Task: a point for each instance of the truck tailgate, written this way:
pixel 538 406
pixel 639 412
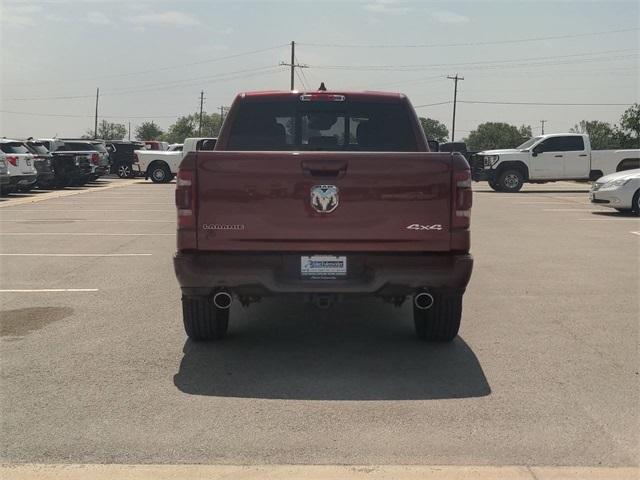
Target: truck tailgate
pixel 263 201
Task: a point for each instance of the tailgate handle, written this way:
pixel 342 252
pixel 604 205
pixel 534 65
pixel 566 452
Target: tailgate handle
pixel 324 168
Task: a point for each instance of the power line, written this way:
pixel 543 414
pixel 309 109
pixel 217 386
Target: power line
pixel 146 87
pixel 39 114
pixel 301 80
pixel 415 106
pixel 235 76
pixel 468 44
pixel 304 77
pixel 432 104
pixel 548 103
pixel 518 61
pixel 160 69
pixel 300 75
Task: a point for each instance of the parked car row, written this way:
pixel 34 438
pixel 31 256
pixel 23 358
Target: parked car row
pixel 50 163
pixel 59 162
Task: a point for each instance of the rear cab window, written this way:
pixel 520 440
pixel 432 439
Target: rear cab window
pixel 38 148
pixel 14 147
pixel 99 147
pixel 79 147
pixel 323 126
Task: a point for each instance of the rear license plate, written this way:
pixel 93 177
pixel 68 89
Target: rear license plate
pixel 323 266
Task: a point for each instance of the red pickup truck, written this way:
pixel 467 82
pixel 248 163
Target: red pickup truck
pixel 323 195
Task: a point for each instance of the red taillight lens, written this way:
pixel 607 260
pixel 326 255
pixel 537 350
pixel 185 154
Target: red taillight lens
pixel 95 159
pixel 186 199
pixel 463 199
pixel 12 160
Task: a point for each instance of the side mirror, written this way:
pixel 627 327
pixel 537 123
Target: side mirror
pixel 535 151
pixel 434 145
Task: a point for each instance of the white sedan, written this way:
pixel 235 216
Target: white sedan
pixel 620 190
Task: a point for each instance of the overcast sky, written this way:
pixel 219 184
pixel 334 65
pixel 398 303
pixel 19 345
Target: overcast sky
pixel 151 59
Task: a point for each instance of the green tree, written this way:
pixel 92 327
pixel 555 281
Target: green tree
pixel 601 134
pixel 187 126
pixel 148 131
pixel 493 135
pixel 628 130
pixel 434 130
pixel 108 131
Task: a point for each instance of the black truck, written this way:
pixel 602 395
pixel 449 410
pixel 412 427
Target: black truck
pixel 121 156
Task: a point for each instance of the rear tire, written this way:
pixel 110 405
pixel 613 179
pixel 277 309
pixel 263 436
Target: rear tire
pixel 511 180
pixel 441 322
pixel 635 203
pixel 124 171
pixel 160 173
pixel 202 320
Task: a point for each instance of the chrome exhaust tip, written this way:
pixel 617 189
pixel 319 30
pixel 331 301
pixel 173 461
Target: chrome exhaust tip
pixel 222 300
pixel 423 301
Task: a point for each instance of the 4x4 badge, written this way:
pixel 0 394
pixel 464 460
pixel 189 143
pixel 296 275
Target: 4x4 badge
pixel 324 198
pixel 417 226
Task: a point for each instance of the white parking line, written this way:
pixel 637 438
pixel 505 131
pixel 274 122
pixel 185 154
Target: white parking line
pixel 82 210
pixel 578 209
pixel 635 233
pixel 549 203
pixel 608 219
pixel 76 220
pixel 61 194
pixel 83 234
pixel 50 290
pixel 75 254
pixel 114 204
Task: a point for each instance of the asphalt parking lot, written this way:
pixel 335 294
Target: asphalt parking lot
pixel 96 367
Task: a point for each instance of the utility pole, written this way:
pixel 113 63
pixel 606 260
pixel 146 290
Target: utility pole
pixel 129 131
pixel 293 64
pixel 455 99
pixel 221 118
pixel 201 104
pixel 542 122
pixel 95 127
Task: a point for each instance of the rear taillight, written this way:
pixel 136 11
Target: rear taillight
pixel 95 159
pixel 12 160
pixel 186 200
pixel 461 211
pixel 135 158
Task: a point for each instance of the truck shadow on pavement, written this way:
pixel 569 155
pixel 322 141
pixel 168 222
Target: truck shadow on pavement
pixel 355 351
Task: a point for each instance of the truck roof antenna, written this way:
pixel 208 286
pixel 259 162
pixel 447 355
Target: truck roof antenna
pixel 322 87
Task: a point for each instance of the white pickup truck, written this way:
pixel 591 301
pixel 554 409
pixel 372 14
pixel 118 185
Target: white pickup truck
pixel 550 158
pixel 162 166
